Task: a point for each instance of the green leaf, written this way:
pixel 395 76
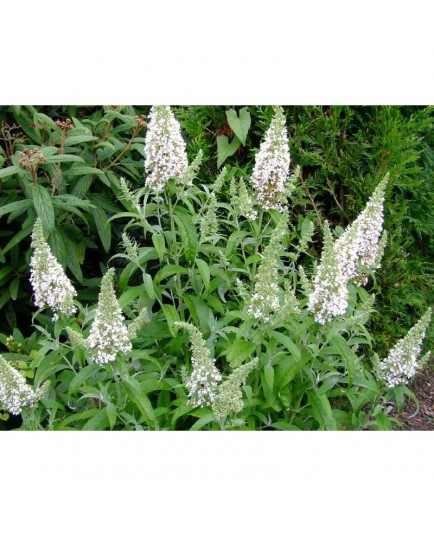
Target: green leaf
pixel 111 414
pixel 167 271
pixel 103 227
pixel 16 239
pixel 269 375
pixel 84 170
pixel 14 287
pixel 225 150
pixel 288 344
pixel 188 235
pixel 172 316
pixel 159 244
pixel 15 205
pixel 240 125
pixel 142 402
pixel 322 410
pixel 204 272
pixel 58 246
pixel 130 295
pixel 149 285
pixel 8 172
pixel 5 273
pixel 75 140
pixel 383 422
pixel 347 355
pixel 281 425
pixel 44 207
pixel 203 421
pixel 82 376
pixel 239 351
pixel 54 159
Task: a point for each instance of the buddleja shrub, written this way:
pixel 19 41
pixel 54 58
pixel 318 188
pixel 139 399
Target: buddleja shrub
pixel 216 315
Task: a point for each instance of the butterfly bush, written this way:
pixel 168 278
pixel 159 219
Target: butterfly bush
pixel 401 364
pixel 271 168
pixel 108 335
pixel 50 284
pixel 15 394
pixel 359 248
pixel 329 295
pixel 202 383
pixel 165 150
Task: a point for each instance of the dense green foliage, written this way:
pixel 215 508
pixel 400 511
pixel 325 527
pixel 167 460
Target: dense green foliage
pixel 309 376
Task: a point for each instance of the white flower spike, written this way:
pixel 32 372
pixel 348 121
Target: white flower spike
pixel 50 284
pixel 272 165
pixel 108 334
pixel 165 150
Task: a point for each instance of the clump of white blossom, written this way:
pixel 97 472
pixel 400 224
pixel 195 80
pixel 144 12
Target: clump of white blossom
pixel 242 201
pixel 108 334
pixel 359 248
pixel 15 394
pixel 401 364
pixel 265 298
pixel 203 381
pixel 272 165
pixel 50 284
pixel 165 150
pixel 329 296
pixel 229 398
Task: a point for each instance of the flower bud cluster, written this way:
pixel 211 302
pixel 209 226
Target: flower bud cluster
pixel 272 165
pixel 401 364
pixel 108 334
pixel 165 150
pixel 329 296
pixel 50 284
pixel 229 398
pixel 203 381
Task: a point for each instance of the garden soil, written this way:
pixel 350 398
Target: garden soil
pixel 423 388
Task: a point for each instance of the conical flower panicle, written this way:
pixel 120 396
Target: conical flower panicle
pixel 265 299
pixel 272 165
pixel 203 381
pixel 108 334
pixel 229 397
pixel 401 364
pixel 15 394
pixel 165 150
pixel 329 296
pixel 50 284
pixel 359 248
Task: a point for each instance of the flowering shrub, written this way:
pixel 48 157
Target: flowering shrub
pixel 223 305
